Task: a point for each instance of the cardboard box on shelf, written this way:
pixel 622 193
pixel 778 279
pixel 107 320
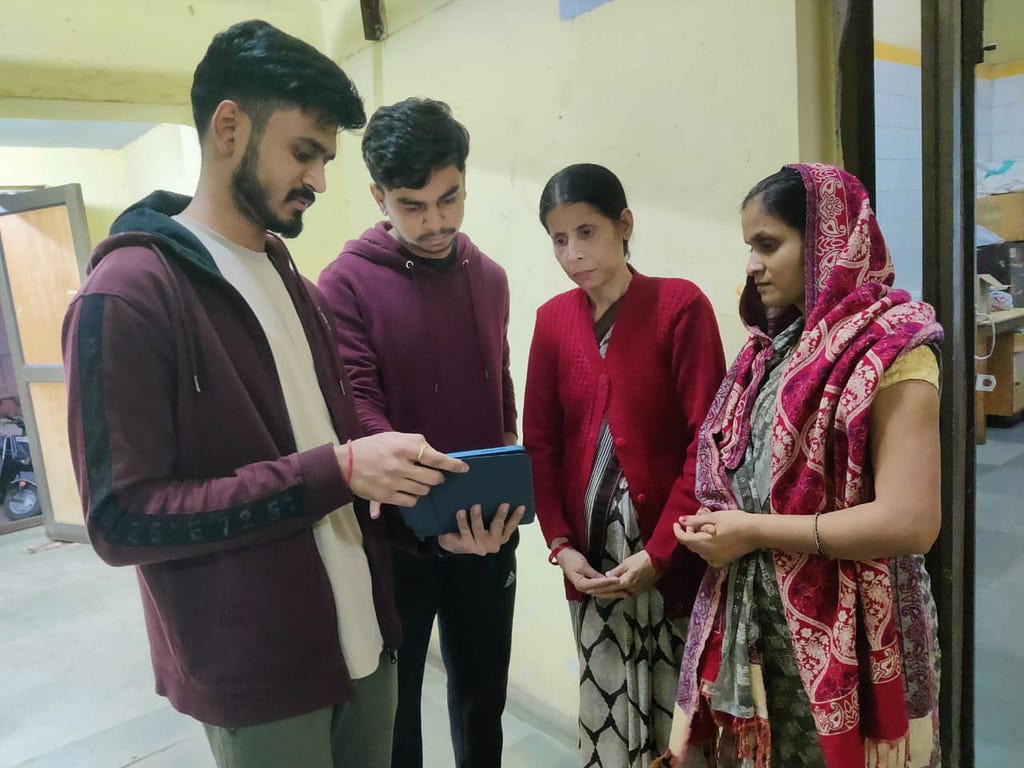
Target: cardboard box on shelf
pixel 985 284
pixel 1003 214
pixel 1005 262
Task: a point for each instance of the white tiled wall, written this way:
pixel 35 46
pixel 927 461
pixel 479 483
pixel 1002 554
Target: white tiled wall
pixel 999 119
pixel 999 135
pixel 898 186
pixel 983 119
pixel 1007 118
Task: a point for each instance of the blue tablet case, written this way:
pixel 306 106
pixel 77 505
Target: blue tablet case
pixel 496 475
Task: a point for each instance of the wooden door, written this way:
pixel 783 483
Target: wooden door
pixel 44 247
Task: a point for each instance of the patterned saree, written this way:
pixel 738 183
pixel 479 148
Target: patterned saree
pixel 814 661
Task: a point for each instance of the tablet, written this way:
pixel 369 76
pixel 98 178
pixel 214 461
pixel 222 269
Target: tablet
pixel 496 475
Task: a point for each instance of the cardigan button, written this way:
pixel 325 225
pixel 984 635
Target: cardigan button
pixel 619 442
pixel 641 498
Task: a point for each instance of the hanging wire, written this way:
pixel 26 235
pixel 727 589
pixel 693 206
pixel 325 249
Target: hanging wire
pixel 980 319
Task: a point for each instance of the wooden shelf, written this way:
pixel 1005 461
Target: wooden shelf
pixel 1006 364
pixel 1005 320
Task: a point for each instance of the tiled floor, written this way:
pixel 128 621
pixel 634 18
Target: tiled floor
pixel 999 609
pixel 76 686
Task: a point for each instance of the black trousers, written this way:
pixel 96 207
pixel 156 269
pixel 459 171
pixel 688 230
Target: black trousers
pixel 473 598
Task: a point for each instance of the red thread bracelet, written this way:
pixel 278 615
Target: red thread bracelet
pixel 348 474
pixel 553 556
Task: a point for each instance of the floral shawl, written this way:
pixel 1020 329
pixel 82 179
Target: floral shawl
pixel 843 615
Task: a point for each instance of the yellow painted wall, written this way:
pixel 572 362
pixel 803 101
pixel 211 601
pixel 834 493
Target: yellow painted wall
pixel 665 95
pixel 898 22
pixel 125 50
pixel 690 103
pixel 100 172
pixel 816 82
pixel 167 157
pixel 134 62
pixel 111 180
pixel 343 25
pixel 1004 26
pixel 898 29
pixel 119 60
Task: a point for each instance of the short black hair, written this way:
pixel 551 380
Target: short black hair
pixel 406 142
pixel 264 70
pixel 586 183
pixel 783 196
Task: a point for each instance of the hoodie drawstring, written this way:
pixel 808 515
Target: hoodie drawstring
pixel 326 332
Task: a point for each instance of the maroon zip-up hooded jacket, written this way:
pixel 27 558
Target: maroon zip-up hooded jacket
pixel 187 468
pixel 426 349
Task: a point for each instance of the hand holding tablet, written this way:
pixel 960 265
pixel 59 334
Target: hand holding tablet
pixel 496 476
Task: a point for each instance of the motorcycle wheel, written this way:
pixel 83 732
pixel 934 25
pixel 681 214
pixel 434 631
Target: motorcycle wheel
pixel 22 502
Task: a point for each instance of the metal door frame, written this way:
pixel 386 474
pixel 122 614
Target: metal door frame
pixel 950 47
pixel 70 196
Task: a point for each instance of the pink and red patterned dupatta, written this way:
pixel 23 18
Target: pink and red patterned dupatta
pixel 842 615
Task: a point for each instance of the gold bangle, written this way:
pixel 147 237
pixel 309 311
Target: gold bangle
pixel 817 538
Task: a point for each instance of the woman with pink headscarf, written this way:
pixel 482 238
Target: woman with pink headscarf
pixel 812 641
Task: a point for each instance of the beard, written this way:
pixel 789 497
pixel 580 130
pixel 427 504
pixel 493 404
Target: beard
pixel 252 198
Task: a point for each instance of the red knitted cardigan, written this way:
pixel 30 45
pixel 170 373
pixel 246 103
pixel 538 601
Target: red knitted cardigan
pixel 663 366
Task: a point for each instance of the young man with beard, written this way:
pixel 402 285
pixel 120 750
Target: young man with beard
pixel 422 320
pixel 215 438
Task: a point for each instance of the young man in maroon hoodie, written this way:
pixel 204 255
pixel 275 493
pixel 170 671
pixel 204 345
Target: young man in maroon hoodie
pixel 422 319
pixel 215 438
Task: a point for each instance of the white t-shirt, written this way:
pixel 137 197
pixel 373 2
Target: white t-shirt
pixel 338 537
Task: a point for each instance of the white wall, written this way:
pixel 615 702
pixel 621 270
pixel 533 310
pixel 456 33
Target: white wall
pixel 1007 118
pixel 898 180
pixel 983 89
pixel 999 114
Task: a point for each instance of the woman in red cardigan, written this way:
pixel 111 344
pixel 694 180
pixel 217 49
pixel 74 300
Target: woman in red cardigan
pixel 622 371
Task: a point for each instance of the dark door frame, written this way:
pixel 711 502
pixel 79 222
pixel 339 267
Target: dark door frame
pixel 69 196
pixel 856 90
pixel 951 46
